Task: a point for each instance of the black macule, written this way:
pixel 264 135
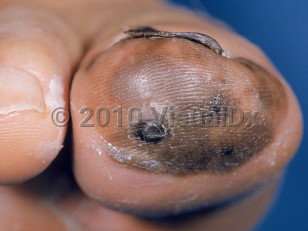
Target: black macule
pixel 150 132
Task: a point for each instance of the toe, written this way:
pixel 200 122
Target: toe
pixel 37 55
pixel 130 160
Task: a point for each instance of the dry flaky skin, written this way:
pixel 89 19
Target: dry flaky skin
pixel 27 35
pixel 197 166
pixel 229 173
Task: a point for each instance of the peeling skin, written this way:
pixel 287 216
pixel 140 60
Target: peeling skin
pixel 54 97
pixel 189 71
pixel 55 145
pixel 188 76
pixel 149 32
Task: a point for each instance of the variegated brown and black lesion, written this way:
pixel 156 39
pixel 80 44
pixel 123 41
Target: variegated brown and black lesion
pixel 182 150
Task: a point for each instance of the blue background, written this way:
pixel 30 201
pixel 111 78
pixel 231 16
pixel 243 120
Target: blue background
pixel 280 29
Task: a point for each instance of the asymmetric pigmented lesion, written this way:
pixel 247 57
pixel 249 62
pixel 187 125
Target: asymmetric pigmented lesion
pixel 210 85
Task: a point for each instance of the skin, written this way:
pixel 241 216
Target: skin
pixel 61 49
pixel 149 32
